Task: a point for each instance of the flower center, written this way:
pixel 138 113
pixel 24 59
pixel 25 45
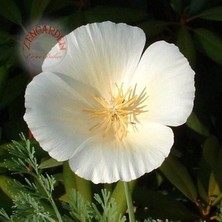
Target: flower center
pixel 118 113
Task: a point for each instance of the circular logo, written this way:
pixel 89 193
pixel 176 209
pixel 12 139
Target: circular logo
pixel 43 43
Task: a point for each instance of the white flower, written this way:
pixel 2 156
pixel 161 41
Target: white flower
pixel 105 108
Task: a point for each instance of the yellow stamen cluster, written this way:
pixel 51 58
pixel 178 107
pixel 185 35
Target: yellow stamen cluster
pixel 119 112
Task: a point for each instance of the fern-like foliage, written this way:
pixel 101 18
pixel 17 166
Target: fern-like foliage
pixel 25 204
pixel 33 199
pixel 219 216
pixel 109 208
pixel 103 210
pixel 158 220
pixel 79 209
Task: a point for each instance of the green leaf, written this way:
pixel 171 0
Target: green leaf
pixel 57 5
pixel 186 45
pixel 213 154
pixel 153 28
pixel 38 8
pixel 161 206
pixel 3 78
pixel 6 53
pixel 50 163
pixel 194 123
pixel 214 189
pixel 69 178
pixel 214 14
pixel 7 184
pixel 4 37
pixel 10 11
pixel 211 150
pixel 72 181
pixel 177 5
pixel 64 198
pixel 202 191
pixel 84 188
pixel 217 169
pixel 196 6
pixel 210 43
pixel 5 202
pixel 203 175
pixel 178 175
pixel 4 154
pixel 114 14
pixel 72 21
pixel 15 87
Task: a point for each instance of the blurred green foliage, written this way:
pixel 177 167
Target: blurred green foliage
pixel 188 186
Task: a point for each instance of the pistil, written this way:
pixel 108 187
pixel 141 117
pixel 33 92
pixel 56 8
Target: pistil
pixel 116 114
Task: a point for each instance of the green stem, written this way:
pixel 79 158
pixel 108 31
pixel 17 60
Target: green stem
pixel 48 194
pixel 119 196
pixel 129 202
pixel 55 209
pixel 51 202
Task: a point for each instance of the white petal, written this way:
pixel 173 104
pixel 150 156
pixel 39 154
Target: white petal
pixel 100 54
pixel 104 161
pixel 169 81
pixel 55 113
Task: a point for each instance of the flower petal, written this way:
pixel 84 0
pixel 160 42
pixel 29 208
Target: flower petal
pixel 55 113
pixel 100 54
pixel 102 160
pixel 169 81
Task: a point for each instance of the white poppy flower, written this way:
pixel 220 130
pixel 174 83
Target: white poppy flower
pixel 106 107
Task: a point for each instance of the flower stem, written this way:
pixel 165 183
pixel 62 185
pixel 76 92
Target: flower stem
pixel 55 209
pixel 129 202
pixel 48 195
pixel 119 196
